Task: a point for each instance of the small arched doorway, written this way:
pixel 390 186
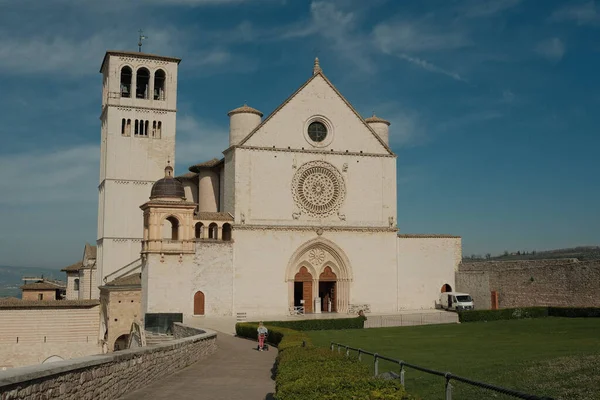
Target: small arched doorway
pixel 303 290
pixel 199 303
pixel 121 343
pixel 327 290
pixel 446 288
pixel 226 233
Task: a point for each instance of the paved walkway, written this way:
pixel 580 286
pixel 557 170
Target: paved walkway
pixel 236 371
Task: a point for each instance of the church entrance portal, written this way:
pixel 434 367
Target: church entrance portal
pixel 327 290
pixel 303 290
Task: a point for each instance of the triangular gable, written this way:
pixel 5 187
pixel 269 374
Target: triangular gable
pixel 282 105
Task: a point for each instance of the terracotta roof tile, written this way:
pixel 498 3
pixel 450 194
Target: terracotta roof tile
pixel 47 304
pixel 73 267
pixel 213 216
pixel 42 286
pixel 375 118
pixel 244 109
pixel 207 164
pixel 188 175
pixel 129 280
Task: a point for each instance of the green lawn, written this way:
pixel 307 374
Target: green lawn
pixel 557 357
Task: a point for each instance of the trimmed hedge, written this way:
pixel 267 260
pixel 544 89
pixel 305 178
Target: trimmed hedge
pixel 320 324
pixel 528 312
pixel 305 372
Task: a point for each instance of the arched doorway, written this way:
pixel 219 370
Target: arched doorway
pixel 199 230
pixel 226 233
pixel 121 343
pixel 327 290
pixel 316 256
pixel 303 290
pixel 446 288
pixel 199 303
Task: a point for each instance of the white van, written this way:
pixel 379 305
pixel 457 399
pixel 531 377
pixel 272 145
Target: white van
pixel 456 301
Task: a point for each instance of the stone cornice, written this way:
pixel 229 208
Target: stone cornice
pixel 315 228
pixel 309 151
pixel 165 110
pixel 139 55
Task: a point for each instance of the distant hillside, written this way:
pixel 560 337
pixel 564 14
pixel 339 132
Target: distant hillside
pixel 581 252
pixel 11 278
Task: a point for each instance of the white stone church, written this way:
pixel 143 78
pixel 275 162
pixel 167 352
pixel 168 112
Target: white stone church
pixel 298 216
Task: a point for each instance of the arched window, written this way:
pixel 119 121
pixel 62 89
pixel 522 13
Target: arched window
pixel 199 230
pixel 128 127
pixel 142 83
pixel 123 123
pixel 226 233
pixel 159 130
pixel 125 82
pixel 146 128
pixel 213 231
pixel 153 128
pixel 171 228
pixel 76 284
pixel 137 130
pixel 159 85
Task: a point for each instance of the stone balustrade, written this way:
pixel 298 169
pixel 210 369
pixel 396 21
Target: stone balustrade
pixel 108 376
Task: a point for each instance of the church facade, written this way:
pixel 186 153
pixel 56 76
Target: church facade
pixel 298 216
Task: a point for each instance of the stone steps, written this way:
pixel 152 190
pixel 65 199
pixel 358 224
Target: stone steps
pixel 153 339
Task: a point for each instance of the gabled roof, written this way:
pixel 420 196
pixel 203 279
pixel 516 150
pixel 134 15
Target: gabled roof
pixel 318 72
pixel 10 304
pixel 213 216
pixel 73 267
pixel 90 251
pixel 134 280
pixel 42 286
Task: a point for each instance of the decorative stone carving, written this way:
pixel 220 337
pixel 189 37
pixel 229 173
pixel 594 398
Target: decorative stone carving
pixel 318 188
pixel 242 218
pixel 345 167
pixel 316 257
pixel 296 215
pixel 320 231
pixel 342 216
pixel 391 221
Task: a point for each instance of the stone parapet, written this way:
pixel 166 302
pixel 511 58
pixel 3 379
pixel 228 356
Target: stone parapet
pixel 107 376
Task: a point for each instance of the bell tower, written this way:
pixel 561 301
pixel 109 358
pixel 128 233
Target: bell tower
pixel 138 121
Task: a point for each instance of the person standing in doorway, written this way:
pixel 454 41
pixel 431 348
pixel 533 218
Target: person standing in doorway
pixel 262 333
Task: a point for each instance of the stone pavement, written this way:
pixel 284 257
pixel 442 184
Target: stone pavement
pixel 236 371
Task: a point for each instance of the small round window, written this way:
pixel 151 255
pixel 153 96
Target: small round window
pixel 317 132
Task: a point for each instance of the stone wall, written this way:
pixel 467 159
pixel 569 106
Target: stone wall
pixel 181 331
pixel 32 331
pixel 105 376
pixel 561 283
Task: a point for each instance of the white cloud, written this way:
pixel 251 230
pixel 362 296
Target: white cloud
pixel 407 129
pixel 552 49
pixel 198 141
pixel 426 65
pixel 408 36
pixel 584 13
pixel 67 175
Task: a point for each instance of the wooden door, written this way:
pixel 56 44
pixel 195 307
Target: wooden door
pixel 494 300
pixel 307 296
pixel 199 303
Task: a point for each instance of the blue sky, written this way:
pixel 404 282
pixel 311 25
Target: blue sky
pixel 494 105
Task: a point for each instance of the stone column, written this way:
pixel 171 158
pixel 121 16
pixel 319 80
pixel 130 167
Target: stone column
pixel 315 289
pixel 290 294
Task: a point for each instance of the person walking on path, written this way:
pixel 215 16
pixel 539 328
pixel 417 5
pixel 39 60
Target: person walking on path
pixel 262 333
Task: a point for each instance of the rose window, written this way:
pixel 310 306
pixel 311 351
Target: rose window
pixel 318 188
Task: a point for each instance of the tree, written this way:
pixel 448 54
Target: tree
pixel 488 256
pixel 505 253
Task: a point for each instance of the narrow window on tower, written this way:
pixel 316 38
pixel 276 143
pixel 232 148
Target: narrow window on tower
pixel 153 128
pixel 146 128
pixel 142 83
pixel 123 126
pixel 136 128
pixel 125 82
pixel 159 130
pixel 128 128
pixel 159 85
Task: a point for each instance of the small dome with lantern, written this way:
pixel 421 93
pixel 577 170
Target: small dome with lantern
pixel 167 187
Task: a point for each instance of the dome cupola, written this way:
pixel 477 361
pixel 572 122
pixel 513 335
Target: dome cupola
pixel 380 126
pixel 167 187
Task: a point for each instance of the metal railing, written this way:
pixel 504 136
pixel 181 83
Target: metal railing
pixel 446 375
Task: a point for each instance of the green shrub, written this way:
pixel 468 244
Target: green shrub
pixel 574 312
pixel 502 314
pixel 320 324
pixel 305 372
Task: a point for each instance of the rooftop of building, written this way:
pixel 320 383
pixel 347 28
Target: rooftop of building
pixel 8 303
pixel 44 285
pixel 137 54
